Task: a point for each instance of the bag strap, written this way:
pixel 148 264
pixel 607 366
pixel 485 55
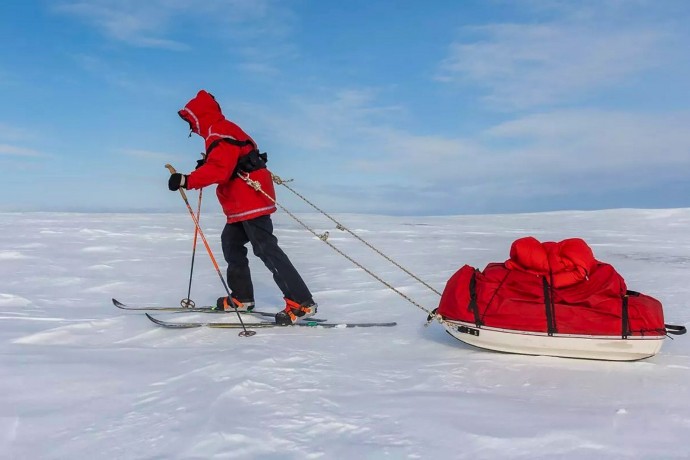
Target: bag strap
pixel 473 299
pixel 675 330
pixel 625 317
pixel 548 304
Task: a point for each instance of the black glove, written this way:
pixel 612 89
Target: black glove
pixel 200 163
pixel 176 181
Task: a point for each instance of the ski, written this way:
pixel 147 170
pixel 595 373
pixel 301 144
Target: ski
pixel 204 309
pixel 221 325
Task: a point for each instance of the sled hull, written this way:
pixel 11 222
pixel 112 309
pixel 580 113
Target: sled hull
pixel 609 348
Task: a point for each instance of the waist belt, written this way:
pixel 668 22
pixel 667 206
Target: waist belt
pixel 252 161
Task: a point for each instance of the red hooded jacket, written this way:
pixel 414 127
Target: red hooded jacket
pixel 239 201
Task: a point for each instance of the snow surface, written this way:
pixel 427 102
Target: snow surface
pixel 81 379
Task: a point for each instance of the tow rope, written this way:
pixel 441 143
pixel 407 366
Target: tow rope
pixel 324 237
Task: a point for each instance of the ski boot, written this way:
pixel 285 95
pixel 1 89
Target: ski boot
pixel 294 312
pixel 231 303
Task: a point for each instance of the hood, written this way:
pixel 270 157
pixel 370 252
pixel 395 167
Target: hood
pixel 201 112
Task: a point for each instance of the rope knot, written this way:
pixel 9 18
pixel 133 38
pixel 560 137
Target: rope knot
pixel 255 184
pixel 278 180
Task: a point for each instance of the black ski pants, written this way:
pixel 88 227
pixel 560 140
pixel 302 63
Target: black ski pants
pixel 259 232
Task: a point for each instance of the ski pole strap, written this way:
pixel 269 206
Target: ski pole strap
pixel 675 330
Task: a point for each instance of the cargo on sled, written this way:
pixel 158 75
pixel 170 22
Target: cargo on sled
pixel 555 299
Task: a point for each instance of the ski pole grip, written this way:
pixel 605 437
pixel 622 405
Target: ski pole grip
pixel 184 195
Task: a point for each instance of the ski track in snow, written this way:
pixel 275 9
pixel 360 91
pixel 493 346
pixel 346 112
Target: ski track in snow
pixel 82 379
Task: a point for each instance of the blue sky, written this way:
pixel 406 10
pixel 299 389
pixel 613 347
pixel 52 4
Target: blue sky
pixel 399 107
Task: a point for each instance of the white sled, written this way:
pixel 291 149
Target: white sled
pixel 613 348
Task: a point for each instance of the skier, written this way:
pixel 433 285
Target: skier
pixel 230 152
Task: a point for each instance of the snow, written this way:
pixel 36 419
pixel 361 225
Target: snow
pixel 82 379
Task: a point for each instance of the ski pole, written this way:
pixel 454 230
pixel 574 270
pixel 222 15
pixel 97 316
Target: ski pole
pixel 245 332
pixel 188 302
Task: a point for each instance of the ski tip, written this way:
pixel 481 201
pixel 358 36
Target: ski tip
pixel 119 304
pixel 154 320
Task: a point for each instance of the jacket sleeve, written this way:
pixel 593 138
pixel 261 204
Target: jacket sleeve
pixel 220 164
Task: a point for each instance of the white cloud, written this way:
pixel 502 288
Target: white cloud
pixel 582 140
pixel 523 66
pixel 362 162
pixel 551 154
pixel 136 23
pixel 12 133
pixel 350 132
pixel 110 72
pixel 327 121
pixel 13 150
pixel 262 59
pixel 166 23
pixel 148 154
pixel 556 152
pixel 546 158
pixel 563 51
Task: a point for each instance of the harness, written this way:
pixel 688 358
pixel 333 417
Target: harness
pixel 249 162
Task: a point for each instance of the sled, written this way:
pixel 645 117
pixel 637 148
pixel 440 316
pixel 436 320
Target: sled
pixel 553 299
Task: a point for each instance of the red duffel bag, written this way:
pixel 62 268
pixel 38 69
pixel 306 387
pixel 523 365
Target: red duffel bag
pixel 554 288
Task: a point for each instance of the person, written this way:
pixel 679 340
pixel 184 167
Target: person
pixel 231 152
